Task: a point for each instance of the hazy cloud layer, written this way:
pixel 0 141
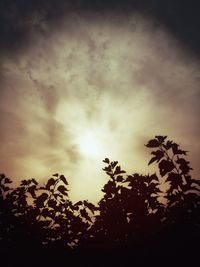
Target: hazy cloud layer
pixel 125 77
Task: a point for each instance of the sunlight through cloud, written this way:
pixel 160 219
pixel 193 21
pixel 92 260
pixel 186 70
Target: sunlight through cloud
pixel 90 145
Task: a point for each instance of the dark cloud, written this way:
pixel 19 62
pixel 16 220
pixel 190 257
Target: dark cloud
pixel 18 19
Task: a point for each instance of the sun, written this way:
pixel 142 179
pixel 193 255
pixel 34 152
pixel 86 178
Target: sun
pixel 90 144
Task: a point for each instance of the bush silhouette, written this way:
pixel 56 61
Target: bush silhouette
pixel 130 213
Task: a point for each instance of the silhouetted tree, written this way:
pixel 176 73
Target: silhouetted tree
pixel 132 210
pixel 182 209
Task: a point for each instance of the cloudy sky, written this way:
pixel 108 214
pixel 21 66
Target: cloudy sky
pixel 110 78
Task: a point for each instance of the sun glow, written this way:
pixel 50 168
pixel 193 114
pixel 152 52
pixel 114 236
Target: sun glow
pixel 90 145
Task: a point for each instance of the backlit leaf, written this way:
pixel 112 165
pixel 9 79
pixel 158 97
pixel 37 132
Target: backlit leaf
pixel 106 160
pixel 153 143
pixel 62 177
pixel 165 166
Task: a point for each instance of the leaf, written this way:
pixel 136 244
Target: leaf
pixel 62 177
pixel 118 170
pixel 24 182
pixel 84 214
pixel 107 169
pixel 177 151
pixel 62 190
pixel 75 207
pixel 153 143
pixel 160 138
pixel 41 199
pixel 2 176
pixel 152 160
pixel 158 154
pixel 5 188
pixel 165 166
pixel 119 178
pixel 106 160
pixel 7 181
pixel 34 181
pixel 31 190
pixel 174 179
pixel 89 205
pixel 168 145
pixel 108 188
pixel 114 163
pixel 78 203
pixel 50 183
pixel 184 165
pixel 154 177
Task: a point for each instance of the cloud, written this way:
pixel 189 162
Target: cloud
pixel 125 77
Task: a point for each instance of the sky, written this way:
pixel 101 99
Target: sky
pixel 78 77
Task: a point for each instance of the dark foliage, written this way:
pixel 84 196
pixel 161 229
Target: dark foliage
pixel 134 216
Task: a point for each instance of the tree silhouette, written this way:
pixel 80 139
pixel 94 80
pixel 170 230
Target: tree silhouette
pixel 129 208
pixel 183 193
pixel 130 213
